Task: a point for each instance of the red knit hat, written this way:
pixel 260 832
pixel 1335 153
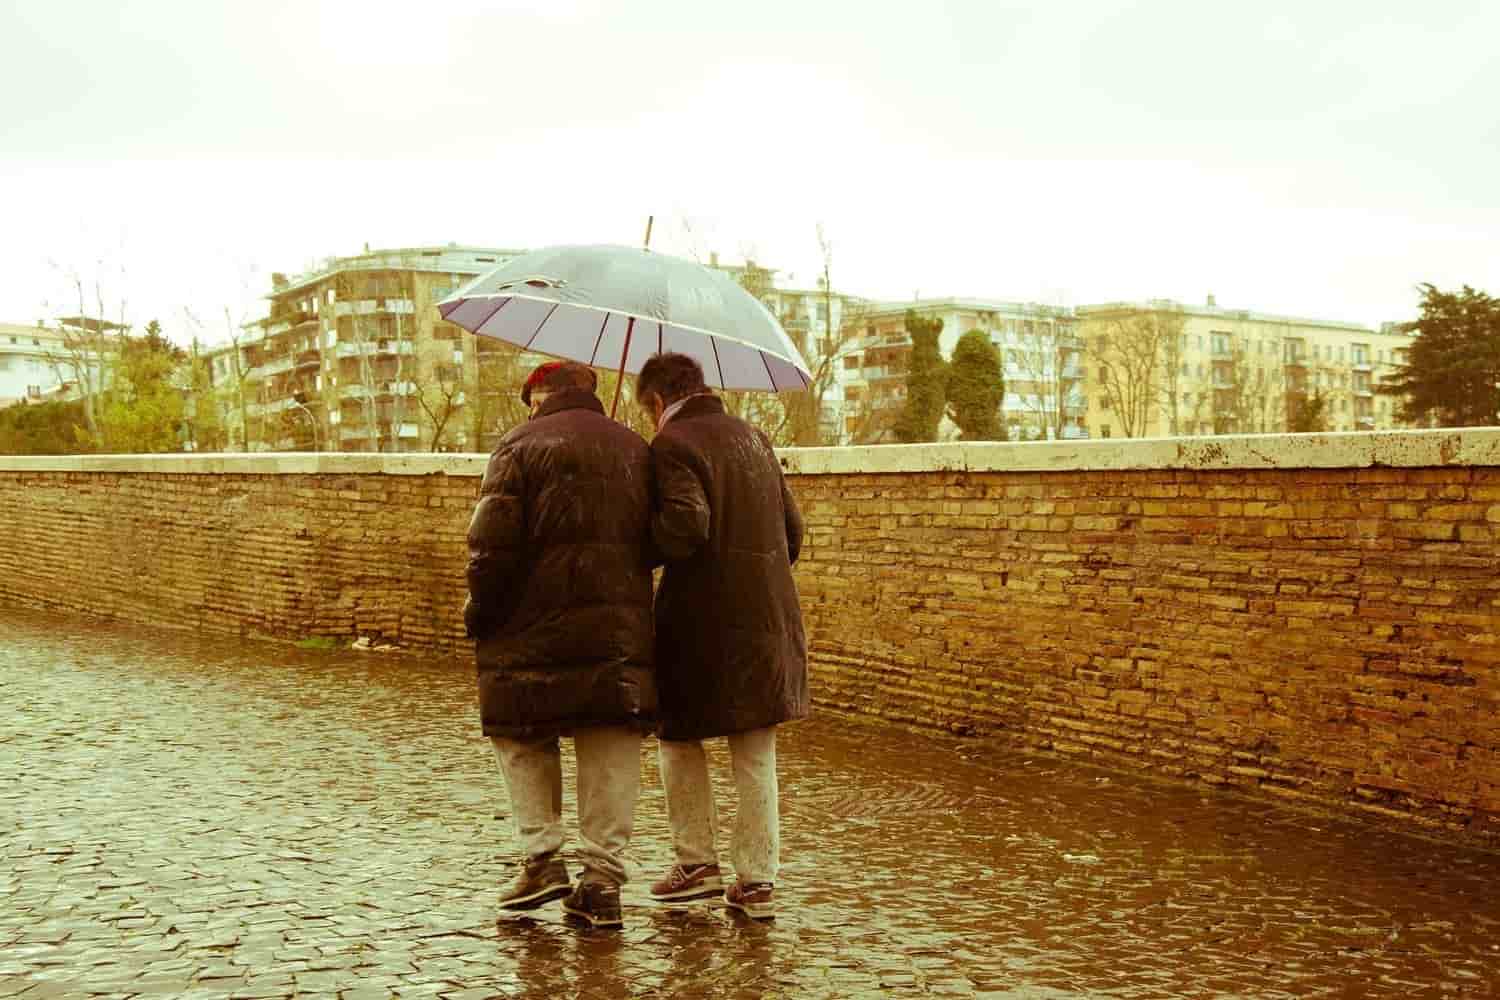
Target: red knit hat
pixel 536 378
pixel 569 375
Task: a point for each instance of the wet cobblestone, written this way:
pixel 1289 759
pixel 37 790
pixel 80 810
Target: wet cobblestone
pixel 197 818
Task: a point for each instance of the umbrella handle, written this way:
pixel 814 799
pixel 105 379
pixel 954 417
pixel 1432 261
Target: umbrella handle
pixel 620 376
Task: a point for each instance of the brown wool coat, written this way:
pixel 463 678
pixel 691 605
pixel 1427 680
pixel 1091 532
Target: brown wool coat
pixel 731 653
pixel 560 575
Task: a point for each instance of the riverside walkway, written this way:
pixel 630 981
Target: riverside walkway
pixel 218 818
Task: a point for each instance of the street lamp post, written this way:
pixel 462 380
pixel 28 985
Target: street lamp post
pixel 299 400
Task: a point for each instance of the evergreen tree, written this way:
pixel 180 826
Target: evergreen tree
pixel 926 382
pixel 143 406
pixel 976 388
pixel 1452 370
pixel 1309 415
pixel 51 428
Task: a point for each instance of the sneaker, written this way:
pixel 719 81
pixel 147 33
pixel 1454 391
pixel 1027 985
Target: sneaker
pixel 753 899
pixel 596 902
pixel 688 882
pixel 541 880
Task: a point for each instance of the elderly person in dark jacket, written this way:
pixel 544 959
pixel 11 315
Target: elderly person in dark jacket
pixel 731 654
pixel 559 575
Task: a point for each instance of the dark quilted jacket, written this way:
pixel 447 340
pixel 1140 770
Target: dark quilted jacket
pixel 560 575
pixel 731 654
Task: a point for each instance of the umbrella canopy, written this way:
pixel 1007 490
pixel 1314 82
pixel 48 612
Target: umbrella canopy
pixel 613 307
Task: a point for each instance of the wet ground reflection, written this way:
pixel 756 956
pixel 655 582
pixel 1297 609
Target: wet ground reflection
pixel 209 817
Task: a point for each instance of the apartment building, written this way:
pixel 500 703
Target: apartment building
pixel 41 362
pixel 1160 368
pixel 353 356
pixel 1039 348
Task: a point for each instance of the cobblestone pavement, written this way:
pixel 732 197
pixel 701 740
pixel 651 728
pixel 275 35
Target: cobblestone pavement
pixel 212 818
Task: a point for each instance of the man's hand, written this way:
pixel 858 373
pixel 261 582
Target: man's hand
pixel 474 625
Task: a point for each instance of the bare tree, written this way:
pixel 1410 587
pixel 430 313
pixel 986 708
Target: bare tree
pixel 1131 351
pixel 823 340
pixel 441 398
pixel 370 333
pixel 89 347
pixel 1040 360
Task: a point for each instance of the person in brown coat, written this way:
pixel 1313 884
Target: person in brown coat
pixel 731 652
pixel 559 573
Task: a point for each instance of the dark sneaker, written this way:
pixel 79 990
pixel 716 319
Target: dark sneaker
pixel 596 902
pixel 541 881
pixel 688 882
pixel 753 899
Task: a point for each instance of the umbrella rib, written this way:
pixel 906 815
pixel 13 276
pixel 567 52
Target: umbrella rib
pixel 539 326
pixel 717 363
pixel 651 319
pixel 659 348
pixel 774 386
pixel 598 340
pixel 491 314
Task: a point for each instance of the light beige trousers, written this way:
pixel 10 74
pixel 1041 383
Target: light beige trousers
pixel 609 782
pixel 756 847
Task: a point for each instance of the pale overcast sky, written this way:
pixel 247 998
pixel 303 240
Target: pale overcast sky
pixel 1316 158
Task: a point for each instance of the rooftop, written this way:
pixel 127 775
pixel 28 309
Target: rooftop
pixel 1244 315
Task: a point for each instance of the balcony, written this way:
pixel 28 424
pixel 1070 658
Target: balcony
pixel 379 390
pixel 272 408
pixel 275 366
pixel 370 348
pixel 877 373
pixel 371 306
pixel 309 358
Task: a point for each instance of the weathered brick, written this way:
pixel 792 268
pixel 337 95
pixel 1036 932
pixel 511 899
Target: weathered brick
pixel 1333 627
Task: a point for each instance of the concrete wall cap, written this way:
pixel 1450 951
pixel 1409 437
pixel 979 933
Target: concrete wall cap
pixel 1471 446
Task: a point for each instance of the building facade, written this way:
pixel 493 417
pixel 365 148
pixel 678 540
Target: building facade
pixel 40 363
pixel 1160 368
pixel 354 356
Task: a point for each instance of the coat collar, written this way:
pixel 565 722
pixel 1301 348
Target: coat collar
pixel 569 399
pixel 698 406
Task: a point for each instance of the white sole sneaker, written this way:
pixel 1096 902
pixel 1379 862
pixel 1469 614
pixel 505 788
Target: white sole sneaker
pixel 755 911
pixel 713 885
pixel 593 920
pixel 539 898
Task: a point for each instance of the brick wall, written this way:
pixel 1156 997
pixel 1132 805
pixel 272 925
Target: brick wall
pixel 1315 619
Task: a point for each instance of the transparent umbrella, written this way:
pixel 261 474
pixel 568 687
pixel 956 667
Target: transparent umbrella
pixel 613 307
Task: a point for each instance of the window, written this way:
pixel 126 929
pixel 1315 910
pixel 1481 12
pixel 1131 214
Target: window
pixel 1361 354
pixel 35 342
pixel 1221 344
pixel 1187 399
pixel 1185 372
pixel 851 361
